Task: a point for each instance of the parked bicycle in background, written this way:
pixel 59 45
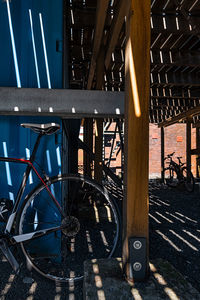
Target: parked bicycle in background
pixel 177 174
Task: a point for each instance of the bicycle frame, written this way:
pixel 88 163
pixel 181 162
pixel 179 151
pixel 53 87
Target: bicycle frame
pixel 11 219
pixel 177 168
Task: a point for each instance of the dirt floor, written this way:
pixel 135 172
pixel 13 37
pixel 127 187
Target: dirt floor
pixel 174 236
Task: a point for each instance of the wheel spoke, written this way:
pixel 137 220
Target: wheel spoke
pixel 89 230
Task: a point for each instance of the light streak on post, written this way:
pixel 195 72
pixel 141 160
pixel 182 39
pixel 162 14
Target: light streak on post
pixel 34 49
pixel 13 46
pixel 45 51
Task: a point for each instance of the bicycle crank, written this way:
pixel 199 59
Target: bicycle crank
pixel 9 256
pixel 70 226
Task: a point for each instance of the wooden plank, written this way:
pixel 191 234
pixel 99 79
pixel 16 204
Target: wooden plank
pixel 197 152
pixel 164 56
pixel 102 6
pixel 88 139
pixel 188 144
pixel 174 78
pixel 135 205
pixel 99 123
pixel 174 24
pixel 115 29
pixel 162 153
pixel 98 150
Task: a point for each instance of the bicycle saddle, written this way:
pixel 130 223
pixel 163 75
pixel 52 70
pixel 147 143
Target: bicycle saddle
pixel 49 128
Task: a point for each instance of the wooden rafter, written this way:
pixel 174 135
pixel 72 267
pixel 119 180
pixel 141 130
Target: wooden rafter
pixel 180 117
pixel 102 6
pixel 116 26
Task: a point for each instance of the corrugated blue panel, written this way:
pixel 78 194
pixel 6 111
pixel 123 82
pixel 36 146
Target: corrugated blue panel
pixel 51 12
pixel 18 142
pixel 14 140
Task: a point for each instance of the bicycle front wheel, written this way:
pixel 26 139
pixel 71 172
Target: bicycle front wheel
pixel 89 229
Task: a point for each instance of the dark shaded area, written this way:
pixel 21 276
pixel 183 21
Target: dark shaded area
pixel 175 229
pixel 174 237
pixel 24 287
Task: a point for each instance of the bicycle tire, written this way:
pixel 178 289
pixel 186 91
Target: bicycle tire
pixel 170 177
pixel 98 233
pixel 188 179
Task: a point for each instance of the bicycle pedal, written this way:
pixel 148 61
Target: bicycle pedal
pixel 9 256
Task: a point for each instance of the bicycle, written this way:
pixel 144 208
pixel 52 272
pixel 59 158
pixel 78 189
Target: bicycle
pixel 63 221
pixel 177 174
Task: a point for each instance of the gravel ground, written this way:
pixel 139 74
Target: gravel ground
pixel 174 236
pixel 175 229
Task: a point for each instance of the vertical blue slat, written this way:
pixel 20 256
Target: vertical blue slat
pixel 15 139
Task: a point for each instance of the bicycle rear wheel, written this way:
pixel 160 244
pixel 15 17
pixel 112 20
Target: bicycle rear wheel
pixel 89 230
pixel 188 179
pixel 170 177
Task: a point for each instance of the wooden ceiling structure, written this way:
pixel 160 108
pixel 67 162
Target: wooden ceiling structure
pixel 175 51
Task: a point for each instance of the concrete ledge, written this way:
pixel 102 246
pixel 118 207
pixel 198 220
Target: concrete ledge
pixel 103 279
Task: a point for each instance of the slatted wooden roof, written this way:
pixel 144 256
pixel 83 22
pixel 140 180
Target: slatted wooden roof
pixel 175 51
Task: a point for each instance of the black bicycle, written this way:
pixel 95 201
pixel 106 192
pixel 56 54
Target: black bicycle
pixel 176 174
pixel 63 221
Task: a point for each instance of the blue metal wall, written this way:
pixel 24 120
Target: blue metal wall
pixel 16 141
pixel 51 11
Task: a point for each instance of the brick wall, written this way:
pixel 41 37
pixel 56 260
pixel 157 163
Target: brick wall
pixel 175 141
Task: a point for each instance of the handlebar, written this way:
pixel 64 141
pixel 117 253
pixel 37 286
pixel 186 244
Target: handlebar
pixel 178 157
pixel 169 155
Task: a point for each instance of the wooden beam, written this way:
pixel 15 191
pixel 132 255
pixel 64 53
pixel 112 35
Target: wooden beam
pixel 173 97
pixel 99 123
pixel 188 145
pixel 101 12
pixel 196 124
pixel 168 23
pixel 197 150
pixel 177 57
pixel 88 139
pixel 115 29
pixel 135 204
pixel 180 117
pixel 174 78
pixel 98 150
pixel 162 153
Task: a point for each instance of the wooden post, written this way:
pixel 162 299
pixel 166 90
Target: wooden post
pixel 135 207
pixel 162 153
pixel 197 147
pixel 99 122
pixel 188 144
pixel 98 150
pixel 88 139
